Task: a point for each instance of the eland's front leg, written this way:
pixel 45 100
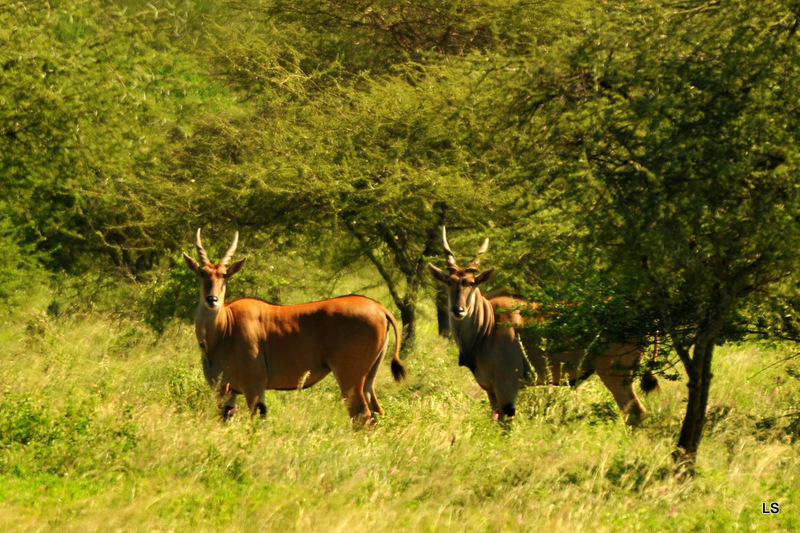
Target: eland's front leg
pixel 226 400
pixel 256 402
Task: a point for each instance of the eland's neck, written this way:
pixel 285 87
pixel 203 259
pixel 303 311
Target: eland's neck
pixel 211 324
pixel 474 327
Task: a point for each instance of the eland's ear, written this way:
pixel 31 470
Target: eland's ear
pixel 437 274
pixel 235 267
pixel 191 263
pixel 484 276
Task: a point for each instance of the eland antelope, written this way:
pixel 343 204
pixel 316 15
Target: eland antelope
pixel 249 345
pixel 490 345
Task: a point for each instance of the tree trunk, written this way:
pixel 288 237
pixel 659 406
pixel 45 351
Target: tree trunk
pixel 408 315
pixel 698 369
pixel 694 421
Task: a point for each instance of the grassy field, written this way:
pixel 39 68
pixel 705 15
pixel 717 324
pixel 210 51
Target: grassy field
pixel 105 426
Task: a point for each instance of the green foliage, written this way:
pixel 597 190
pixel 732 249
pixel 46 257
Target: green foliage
pixel 634 163
pixel 48 441
pixel 88 90
pixel 376 36
pixel 273 119
pixel 174 295
pixel 132 438
pixel 187 389
pixel 673 143
pixel 22 269
pixel 680 152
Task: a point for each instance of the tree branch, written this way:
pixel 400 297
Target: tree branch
pixel 385 274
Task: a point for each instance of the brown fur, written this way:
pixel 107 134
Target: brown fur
pixel 249 345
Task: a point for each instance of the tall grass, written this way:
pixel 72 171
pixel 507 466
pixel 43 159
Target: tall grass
pixel 106 426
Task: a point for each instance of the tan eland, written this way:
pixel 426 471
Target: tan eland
pixel 249 345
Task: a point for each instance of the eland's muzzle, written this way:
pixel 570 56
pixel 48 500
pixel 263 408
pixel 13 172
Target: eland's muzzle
pixel 458 312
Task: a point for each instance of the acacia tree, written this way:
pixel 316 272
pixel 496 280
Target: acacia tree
pixel 360 136
pixel 377 35
pixel 86 91
pixel 380 171
pixel 677 125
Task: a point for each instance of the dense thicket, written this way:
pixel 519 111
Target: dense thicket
pixel 637 158
pixel 679 135
pixel 89 95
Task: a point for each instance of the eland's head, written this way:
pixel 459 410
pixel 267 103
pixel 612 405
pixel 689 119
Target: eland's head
pixel 461 283
pixel 213 277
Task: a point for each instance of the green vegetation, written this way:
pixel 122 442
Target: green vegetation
pixel 634 163
pixel 681 150
pixel 106 426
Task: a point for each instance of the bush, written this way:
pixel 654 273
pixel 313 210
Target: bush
pixel 21 268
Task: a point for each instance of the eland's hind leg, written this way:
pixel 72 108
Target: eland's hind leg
pixel 621 388
pixel 353 394
pixel 369 387
pixel 358 407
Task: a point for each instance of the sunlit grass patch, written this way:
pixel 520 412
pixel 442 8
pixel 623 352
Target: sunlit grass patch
pixel 113 425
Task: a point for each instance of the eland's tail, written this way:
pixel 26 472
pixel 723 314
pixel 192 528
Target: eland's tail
pixel 398 371
pixel 649 382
